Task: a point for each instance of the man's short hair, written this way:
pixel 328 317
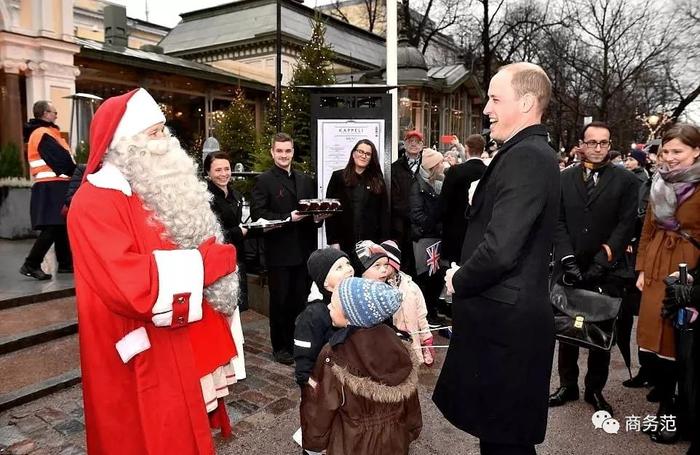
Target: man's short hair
pixel 281 137
pixel 596 124
pixel 40 107
pixel 530 78
pixel 475 144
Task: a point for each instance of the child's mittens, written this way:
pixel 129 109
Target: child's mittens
pixel 428 351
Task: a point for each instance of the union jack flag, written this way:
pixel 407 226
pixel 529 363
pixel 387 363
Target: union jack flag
pixel 433 261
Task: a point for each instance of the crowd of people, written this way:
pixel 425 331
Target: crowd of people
pixel 468 240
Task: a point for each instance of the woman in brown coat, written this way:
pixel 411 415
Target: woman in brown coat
pixel 672 219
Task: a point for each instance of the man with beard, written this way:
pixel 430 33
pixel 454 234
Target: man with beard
pixel 153 285
pixel 596 224
pixel 495 380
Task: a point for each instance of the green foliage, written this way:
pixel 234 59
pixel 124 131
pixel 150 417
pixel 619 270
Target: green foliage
pixel 313 68
pixel 10 164
pixel 82 151
pixel 236 130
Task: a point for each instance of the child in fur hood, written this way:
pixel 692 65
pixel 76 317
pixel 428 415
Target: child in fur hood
pixel 313 327
pixel 412 316
pixel 361 397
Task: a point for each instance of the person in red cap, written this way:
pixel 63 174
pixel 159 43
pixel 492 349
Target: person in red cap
pixel 403 174
pixel 154 284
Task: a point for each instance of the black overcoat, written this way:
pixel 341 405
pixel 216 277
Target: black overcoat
pixel 608 217
pixel 274 197
pixel 495 380
pixel 374 224
pixel 455 201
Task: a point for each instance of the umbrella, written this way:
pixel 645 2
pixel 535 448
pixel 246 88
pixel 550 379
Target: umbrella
pixel 625 321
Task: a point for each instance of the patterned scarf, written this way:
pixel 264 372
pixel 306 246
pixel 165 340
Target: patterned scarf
pixel 669 189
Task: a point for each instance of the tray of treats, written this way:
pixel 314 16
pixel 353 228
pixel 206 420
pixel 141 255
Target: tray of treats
pixel 318 206
pixel 262 223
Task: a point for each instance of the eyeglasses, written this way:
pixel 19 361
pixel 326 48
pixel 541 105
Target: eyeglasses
pixel 363 153
pixel 594 144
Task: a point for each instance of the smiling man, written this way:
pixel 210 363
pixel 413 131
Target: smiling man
pixel 275 197
pixel 495 380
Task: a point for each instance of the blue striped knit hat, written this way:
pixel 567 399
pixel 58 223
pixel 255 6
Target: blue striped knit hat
pixel 367 303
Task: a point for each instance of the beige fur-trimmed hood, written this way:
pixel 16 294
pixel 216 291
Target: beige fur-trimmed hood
pixel 374 389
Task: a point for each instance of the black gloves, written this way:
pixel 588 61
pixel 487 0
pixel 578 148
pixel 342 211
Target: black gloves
pixel 572 275
pixel 677 296
pixel 597 269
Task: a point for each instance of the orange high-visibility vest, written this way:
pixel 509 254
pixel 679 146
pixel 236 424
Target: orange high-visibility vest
pixel 39 170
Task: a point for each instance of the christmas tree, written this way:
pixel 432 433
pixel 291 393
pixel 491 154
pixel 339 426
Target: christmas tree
pixel 314 67
pixel 236 129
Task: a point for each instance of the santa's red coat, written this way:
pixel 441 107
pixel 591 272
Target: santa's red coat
pixel 152 403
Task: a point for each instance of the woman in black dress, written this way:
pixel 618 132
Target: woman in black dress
pixel 362 193
pixel 228 206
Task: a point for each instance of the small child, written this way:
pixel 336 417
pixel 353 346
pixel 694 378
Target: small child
pixel 362 396
pixel 313 328
pixel 372 260
pixel 412 316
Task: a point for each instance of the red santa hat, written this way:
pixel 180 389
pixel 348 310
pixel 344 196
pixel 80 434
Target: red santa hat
pixel 118 117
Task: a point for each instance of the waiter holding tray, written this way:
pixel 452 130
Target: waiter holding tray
pixel 275 196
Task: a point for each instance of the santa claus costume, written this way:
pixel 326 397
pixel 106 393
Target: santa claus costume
pixel 154 287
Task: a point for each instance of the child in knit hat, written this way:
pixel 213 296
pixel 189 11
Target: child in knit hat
pixel 412 315
pixel 313 328
pixel 373 262
pixel 362 396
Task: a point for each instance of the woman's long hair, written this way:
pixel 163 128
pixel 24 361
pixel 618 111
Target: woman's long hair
pixel 375 178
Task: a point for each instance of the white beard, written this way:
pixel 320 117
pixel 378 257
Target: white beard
pixel 165 178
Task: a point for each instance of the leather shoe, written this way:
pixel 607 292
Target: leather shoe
pixel 32 272
pixel 562 395
pixel 637 382
pixel 283 357
pixel 596 399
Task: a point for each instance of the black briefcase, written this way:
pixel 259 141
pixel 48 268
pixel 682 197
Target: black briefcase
pixel 584 318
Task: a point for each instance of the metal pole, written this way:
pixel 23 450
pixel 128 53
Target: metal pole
pixel 392 73
pixel 278 68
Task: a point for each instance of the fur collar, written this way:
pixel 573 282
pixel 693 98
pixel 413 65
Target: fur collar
pixel 110 177
pixel 375 391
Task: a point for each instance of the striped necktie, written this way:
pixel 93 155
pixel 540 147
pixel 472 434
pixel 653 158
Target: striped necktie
pixel 589 179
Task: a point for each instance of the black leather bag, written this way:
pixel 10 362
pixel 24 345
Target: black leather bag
pixel 584 318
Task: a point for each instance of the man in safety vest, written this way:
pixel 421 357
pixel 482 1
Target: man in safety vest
pixel 51 166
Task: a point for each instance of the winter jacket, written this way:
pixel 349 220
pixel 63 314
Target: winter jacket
pixel 312 330
pixel 228 209
pixel 411 316
pixel 426 214
pixel 401 181
pixel 364 399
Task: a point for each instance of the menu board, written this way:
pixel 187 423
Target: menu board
pixel 336 138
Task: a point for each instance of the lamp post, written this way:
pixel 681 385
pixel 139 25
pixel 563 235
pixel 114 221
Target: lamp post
pixel 654 123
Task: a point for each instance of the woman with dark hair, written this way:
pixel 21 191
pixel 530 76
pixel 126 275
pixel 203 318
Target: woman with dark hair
pixel 228 207
pixel 362 193
pixel 669 237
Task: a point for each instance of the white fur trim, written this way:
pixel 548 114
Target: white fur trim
pixel 142 112
pixel 111 178
pixel 134 342
pixel 238 362
pixel 179 271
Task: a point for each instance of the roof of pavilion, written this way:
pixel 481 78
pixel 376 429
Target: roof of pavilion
pixel 250 22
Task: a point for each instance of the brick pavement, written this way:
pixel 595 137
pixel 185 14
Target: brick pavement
pixel 264 412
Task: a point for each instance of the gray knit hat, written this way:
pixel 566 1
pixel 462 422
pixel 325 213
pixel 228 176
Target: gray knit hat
pixel 367 303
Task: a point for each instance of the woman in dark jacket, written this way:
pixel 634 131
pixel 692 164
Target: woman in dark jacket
pixel 426 228
pixel 362 193
pixel 228 207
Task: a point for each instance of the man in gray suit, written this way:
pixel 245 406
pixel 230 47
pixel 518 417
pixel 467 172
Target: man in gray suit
pixel 495 380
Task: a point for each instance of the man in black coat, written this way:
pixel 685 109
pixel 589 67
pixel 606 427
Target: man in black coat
pixel 596 225
pixel 403 174
pixel 275 197
pixel 495 380
pixel 455 197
